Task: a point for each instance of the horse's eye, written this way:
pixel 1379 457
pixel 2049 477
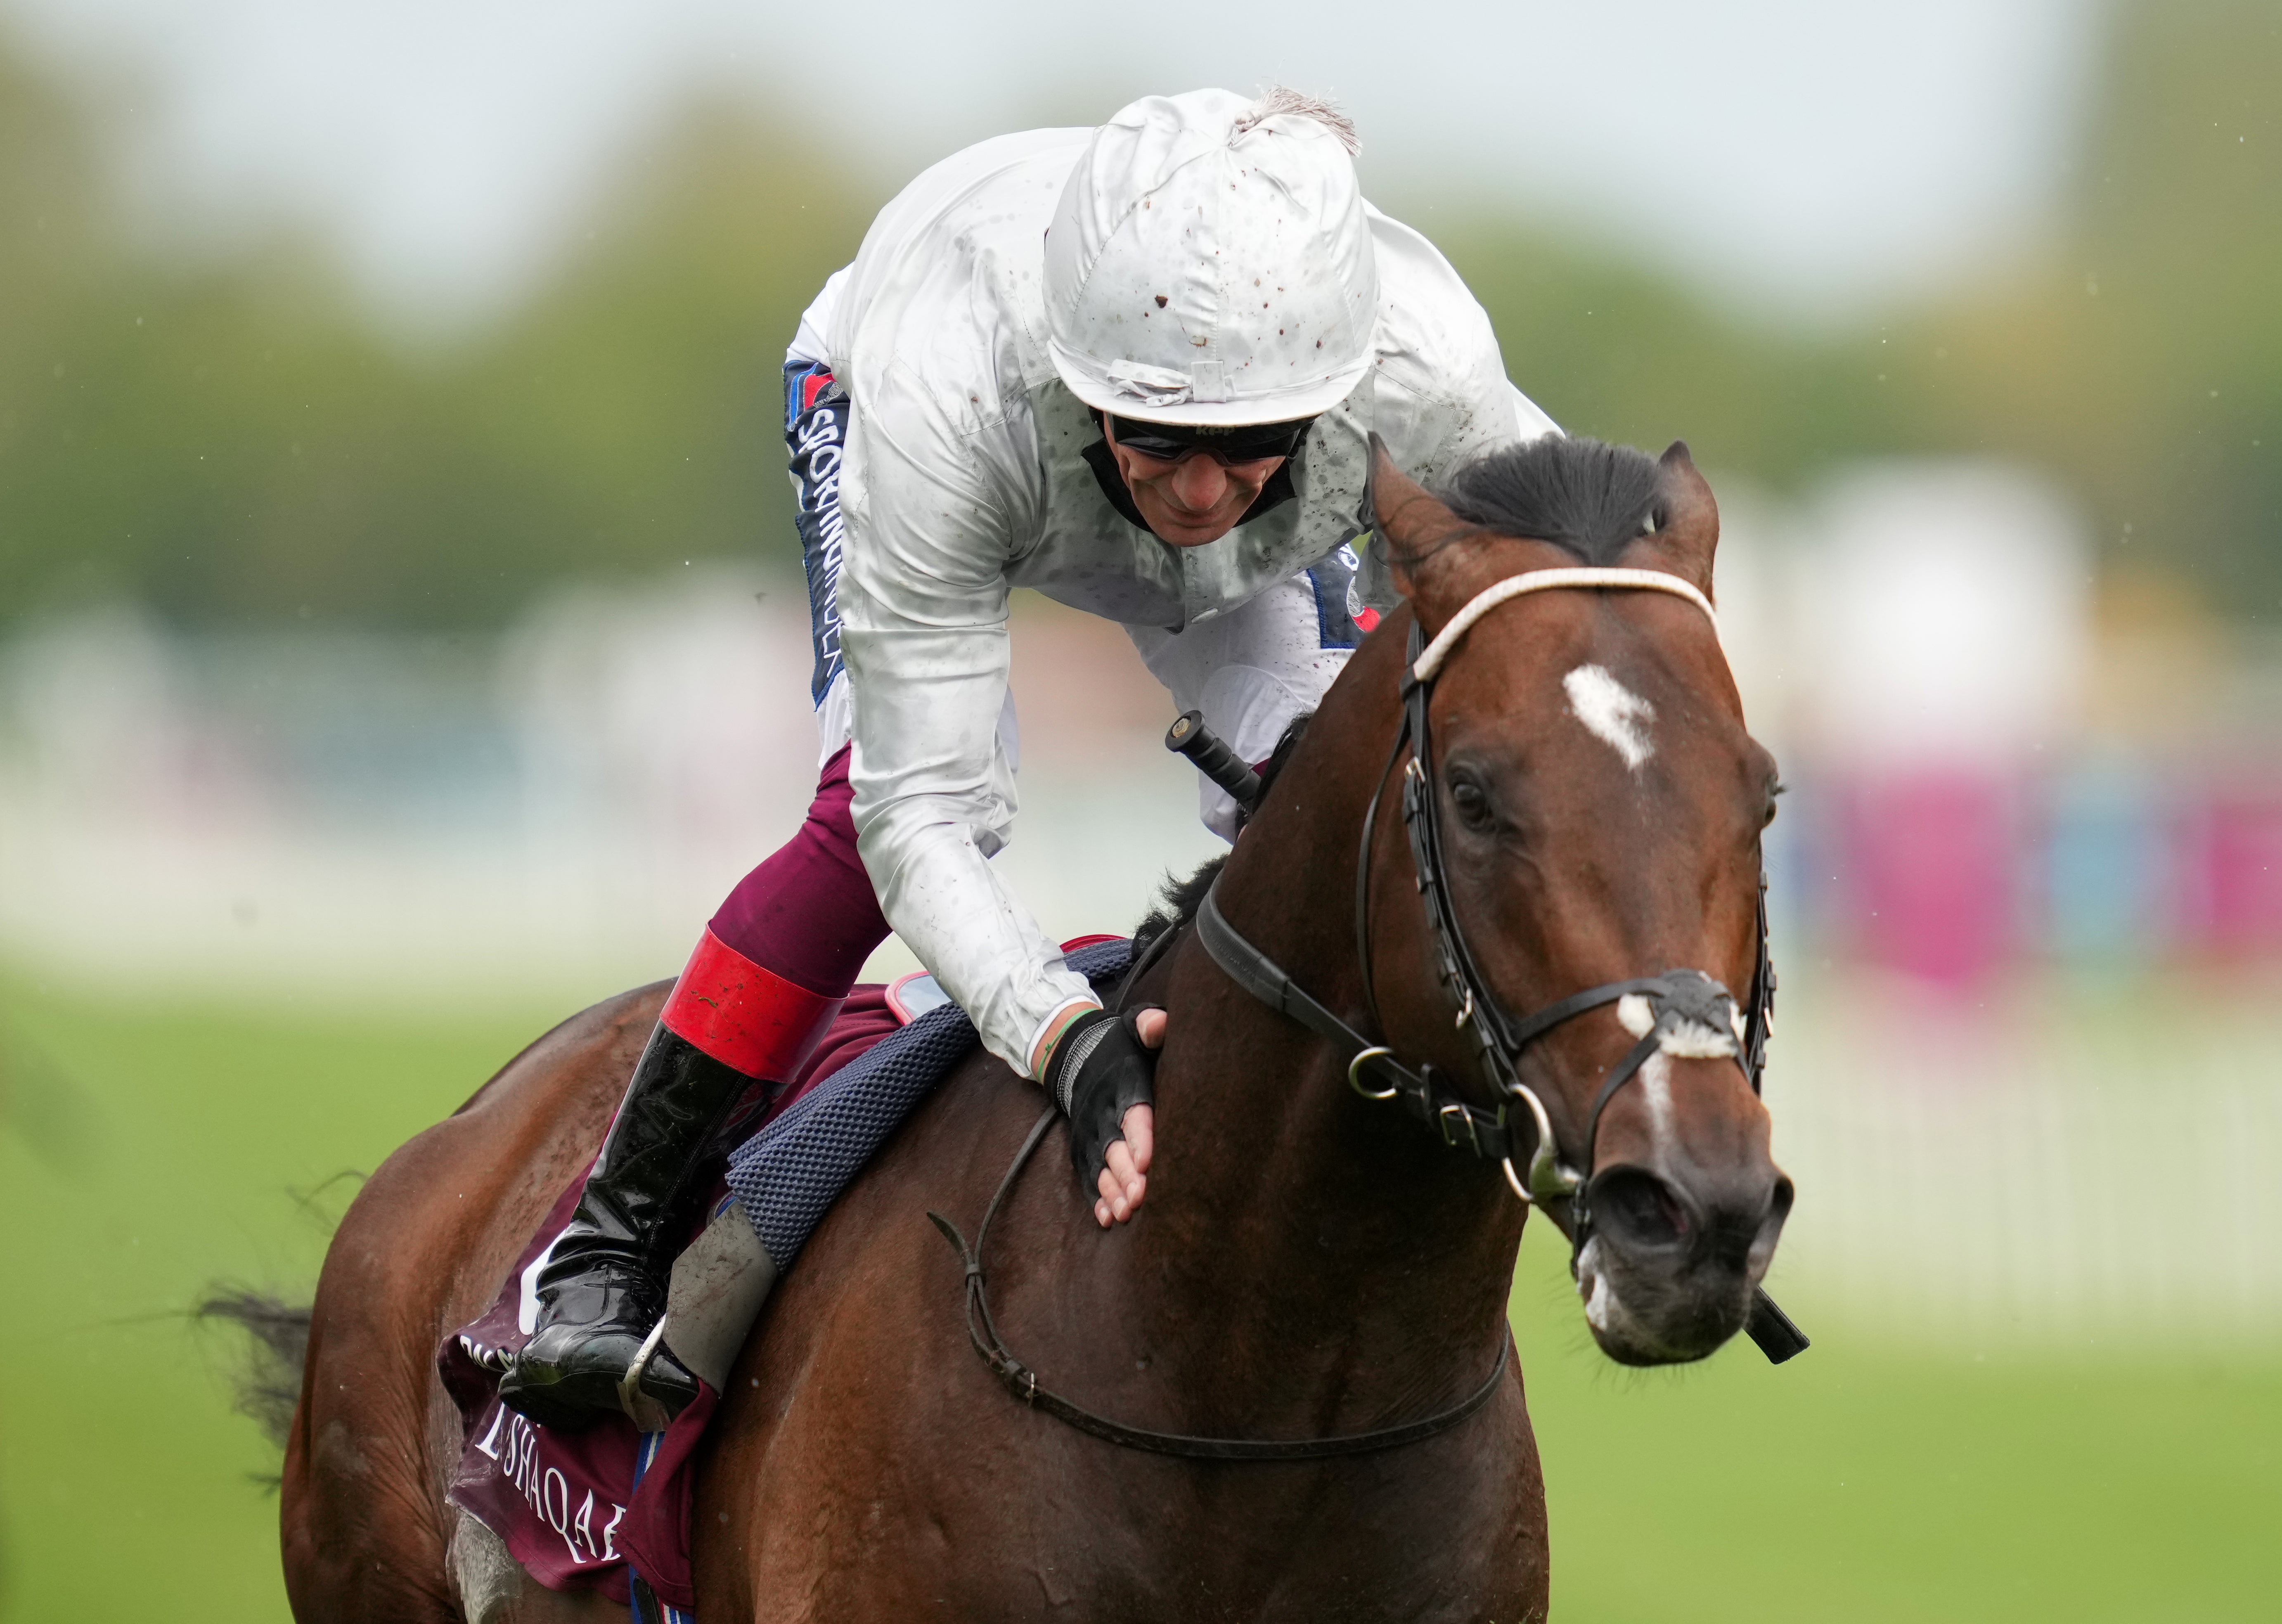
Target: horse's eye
pixel 1471 801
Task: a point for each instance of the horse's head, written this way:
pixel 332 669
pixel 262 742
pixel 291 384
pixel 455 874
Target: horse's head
pixel 1600 807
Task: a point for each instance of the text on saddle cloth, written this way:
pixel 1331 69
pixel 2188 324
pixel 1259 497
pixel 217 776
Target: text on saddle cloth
pixel 585 1511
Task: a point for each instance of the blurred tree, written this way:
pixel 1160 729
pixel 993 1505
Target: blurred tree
pixel 648 380
pixel 1618 351
pixel 2143 362
pixel 238 442
pixel 2139 359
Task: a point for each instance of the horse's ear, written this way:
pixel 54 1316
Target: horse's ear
pixel 1687 529
pixel 1413 524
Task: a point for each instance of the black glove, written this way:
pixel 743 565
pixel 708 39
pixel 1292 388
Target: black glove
pixel 1099 1069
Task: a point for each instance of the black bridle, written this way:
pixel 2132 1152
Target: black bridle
pixel 1678 1001
pixel 1022 1381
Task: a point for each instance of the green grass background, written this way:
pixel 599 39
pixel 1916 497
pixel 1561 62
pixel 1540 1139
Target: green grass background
pixel 146 1151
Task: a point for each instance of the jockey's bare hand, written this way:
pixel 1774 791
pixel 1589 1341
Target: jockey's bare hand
pixel 1126 1177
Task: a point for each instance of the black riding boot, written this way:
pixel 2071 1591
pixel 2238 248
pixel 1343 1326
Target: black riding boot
pixel 603 1291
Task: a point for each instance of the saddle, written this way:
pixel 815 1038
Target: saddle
pixel 607 1508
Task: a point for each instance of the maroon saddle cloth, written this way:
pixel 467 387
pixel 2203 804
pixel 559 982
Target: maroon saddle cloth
pixel 578 1510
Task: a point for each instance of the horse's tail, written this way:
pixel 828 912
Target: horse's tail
pixel 269 1380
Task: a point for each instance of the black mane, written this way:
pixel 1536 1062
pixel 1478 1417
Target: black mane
pixel 1179 901
pixel 1582 495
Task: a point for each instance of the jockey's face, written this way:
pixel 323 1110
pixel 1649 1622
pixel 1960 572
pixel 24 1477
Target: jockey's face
pixel 1194 499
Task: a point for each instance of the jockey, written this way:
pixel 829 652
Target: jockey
pixel 1136 368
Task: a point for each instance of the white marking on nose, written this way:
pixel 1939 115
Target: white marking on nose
pixel 1611 712
pixel 1635 1015
pixel 1688 1040
pixel 1682 1040
pixel 1656 1088
pixel 1602 1308
pixel 1597 1311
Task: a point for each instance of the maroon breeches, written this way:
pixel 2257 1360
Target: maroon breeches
pixel 808 912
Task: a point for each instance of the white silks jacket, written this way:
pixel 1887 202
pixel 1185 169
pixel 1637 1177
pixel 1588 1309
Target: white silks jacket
pixel 965 477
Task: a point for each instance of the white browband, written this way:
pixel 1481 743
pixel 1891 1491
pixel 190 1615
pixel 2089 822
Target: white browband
pixel 1550 580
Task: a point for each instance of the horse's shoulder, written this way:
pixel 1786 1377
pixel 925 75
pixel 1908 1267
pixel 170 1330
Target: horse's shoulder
pixel 980 1099
pixel 853 1343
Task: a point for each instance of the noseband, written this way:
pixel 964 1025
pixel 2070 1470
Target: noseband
pixel 1687 1010
pixel 1687 1013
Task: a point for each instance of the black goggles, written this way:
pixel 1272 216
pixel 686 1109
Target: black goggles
pixel 1248 442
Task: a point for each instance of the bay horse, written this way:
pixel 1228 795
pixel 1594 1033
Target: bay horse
pixel 1306 1264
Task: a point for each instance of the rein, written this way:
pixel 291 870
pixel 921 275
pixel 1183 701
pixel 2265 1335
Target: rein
pixel 1676 999
pixel 1686 1007
pixel 1687 1012
pixel 1022 1381
pixel 1681 1002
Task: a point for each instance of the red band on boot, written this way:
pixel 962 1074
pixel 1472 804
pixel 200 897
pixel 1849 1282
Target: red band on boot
pixel 744 1016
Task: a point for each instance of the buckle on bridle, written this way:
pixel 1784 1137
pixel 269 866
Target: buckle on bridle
pixel 1457 1109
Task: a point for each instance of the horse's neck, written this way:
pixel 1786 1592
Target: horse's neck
pixel 1331 1234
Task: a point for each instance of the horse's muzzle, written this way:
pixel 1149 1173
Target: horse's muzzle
pixel 1668 1273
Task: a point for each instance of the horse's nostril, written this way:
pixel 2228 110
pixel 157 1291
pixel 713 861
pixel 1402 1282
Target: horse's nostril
pixel 1639 1207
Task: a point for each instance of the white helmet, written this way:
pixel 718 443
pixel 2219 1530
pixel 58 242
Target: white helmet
pixel 1210 263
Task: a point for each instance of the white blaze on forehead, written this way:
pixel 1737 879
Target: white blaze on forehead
pixel 1611 712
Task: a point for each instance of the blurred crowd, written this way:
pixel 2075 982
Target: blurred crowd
pixel 1989 766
